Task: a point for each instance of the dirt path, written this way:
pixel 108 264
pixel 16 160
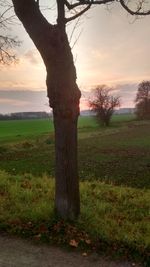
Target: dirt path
pixel 15 252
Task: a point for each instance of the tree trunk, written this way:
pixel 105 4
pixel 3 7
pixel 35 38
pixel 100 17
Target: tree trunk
pixel 67 201
pixel 52 43
pixel 64 98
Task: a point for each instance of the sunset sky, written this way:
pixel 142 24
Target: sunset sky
pixel 113 49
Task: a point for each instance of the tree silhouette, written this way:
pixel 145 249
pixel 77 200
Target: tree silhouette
pixel 104 104
pixel 51 40
pixel 143 101
pixel 7 42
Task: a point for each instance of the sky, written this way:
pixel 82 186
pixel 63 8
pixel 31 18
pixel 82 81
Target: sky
pixel 113 49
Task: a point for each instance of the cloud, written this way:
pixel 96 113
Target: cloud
pixel 110 51
pixel 16 101
pixel 13 102
pixel 113 50
pixel 99 54
pixel 29 73
pixel 33 56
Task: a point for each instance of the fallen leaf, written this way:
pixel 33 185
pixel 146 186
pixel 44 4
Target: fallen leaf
pixel 88 241
pixel 37 237
pixel 84 254
pixel 73 243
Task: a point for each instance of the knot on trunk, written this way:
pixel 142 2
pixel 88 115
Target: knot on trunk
pixel 65 101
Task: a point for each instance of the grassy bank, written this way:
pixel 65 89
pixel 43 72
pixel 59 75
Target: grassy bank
pixel 113 219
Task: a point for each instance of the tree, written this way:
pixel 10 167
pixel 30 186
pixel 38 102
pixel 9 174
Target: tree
pixel 104 104
pixel 143 101
pixel 7 42
pixel 62 89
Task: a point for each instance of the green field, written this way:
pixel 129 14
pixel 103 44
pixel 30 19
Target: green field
pixel 17 130
pixel 114 169
pixel 119 154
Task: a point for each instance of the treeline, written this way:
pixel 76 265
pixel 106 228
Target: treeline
pixel 103 103
pixel 25 115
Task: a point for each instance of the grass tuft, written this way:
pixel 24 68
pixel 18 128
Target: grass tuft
pixel 113 218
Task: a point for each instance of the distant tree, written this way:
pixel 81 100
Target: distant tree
pixel 143 101
pixel 104 104
pixel 7 42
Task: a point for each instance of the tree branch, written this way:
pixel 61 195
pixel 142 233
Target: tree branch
pixel 61 13
pixel 78 14
pixel 6 46
pixel 136 12
pixel 38 2
pixel 86 2
pixel 34 22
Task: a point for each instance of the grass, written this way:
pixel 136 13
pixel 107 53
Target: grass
pixel 114 168
pixel 18 130
pixel 117 155
pixel 113 218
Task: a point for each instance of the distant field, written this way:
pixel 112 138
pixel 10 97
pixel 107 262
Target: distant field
pixel 119 154
pixel 21 129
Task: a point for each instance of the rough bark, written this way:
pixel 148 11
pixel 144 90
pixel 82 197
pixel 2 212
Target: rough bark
pixel 64 98
pixel 67 200
pixel 64 95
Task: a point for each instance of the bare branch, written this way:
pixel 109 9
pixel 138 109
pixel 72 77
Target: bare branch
pixel 73 30
pixel 78 14
pixel 143 101
pixel 138 11
pixel 104 104
pixel 76 40
pixel 86 2
pixel 60 12
pixel 7 43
